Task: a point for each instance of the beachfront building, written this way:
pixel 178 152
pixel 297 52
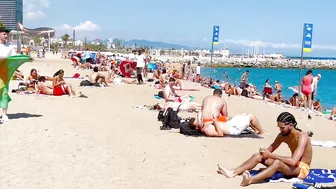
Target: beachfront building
pixel 11 13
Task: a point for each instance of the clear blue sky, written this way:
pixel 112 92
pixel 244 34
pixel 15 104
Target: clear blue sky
pixel 190 22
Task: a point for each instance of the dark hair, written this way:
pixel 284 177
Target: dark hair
pixel 32 70
pixel 95 69
pixel 58 72
pixel 41 79
pixel 217 92
pixel 286 117
pixel 172 79
pixel 266 80
pixel 164 71
pixel 309 72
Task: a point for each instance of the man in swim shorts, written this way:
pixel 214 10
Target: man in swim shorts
pixel 298 165
pixel 214 105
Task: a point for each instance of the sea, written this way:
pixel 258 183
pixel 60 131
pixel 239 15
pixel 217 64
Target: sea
pixel 287 78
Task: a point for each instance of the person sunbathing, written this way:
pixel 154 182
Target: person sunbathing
pixel 297 165
pixel 43 88
pixel 175 101
pixel 214 105
pixel 33 78
pixel 97 79
pixel 219 127
pixel 60 86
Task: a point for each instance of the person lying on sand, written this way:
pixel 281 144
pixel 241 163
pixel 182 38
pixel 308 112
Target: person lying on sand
pixel 218 127
pixel 97 79
pixel 298 165
pixel 175 101
pixel 18 75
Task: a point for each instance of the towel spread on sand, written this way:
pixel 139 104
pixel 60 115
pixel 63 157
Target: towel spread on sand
pixel 315 176
pixel 327 144
pixel 8 66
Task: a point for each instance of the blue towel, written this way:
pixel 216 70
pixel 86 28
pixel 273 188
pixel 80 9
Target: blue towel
pixel 157 97
pixel 315 176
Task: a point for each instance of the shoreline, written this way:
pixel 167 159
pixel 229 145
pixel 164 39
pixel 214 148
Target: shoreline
pixel 265 67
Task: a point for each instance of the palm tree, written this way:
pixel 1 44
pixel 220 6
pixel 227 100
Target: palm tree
pixel 37 40
pixel 65 39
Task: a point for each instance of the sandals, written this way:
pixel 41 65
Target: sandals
pixel 81 95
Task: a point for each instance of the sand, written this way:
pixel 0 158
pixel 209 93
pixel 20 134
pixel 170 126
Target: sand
pixel 103 142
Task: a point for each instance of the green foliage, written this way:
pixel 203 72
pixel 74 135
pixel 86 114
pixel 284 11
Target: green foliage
pixel 1 24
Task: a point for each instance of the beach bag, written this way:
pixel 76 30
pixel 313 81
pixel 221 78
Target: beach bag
pixel 85 83
pixel 160 115
pixel 171 119
pixel 185 129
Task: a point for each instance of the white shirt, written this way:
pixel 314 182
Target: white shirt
pixel 198 70
pixel 314 84
pixel 6 51
pixel 141 61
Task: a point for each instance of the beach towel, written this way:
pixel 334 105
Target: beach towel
pixel 7 68
pixel 31 94
pixel 178 89
pixel 327 144
pixel 314 176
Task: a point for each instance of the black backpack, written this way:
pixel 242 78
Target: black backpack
pixel 170 119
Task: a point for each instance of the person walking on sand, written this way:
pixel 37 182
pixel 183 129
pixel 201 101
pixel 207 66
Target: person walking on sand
pixel 5 51
pixel 314 85
pixel 298 165
pixel 306 89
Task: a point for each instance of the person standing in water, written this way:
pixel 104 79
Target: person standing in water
pixel 5 51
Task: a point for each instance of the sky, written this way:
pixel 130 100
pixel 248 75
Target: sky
pixel 276 26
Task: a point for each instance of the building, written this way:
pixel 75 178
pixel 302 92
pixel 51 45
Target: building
pixel 11 13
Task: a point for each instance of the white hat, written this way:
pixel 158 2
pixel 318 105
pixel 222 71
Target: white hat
pixel 276 82
pixel 319 75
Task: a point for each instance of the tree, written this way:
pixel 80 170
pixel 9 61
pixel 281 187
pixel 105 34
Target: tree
pixel 116 42
pixel 65 39
pixel 37 40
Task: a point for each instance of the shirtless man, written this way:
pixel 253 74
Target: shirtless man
pixel 97 78
pixel 175 101
pixel 298 165
pixel 277 86
pixel 214 105
pixel 243 80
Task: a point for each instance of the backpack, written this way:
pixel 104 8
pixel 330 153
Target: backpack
pixel 190 131
pixel 171 119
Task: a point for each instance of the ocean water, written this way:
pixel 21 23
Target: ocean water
pixel 287 77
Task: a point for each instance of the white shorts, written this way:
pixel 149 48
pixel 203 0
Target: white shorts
pixel 117 81
pixel 238 124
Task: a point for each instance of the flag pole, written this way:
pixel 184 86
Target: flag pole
pixel 301 64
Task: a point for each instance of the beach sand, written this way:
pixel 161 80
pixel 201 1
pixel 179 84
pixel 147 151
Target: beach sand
pixel 104 142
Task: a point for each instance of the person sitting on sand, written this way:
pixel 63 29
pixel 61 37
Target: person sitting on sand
pixel 175 101
pixel 333 114
pixel 317 105
pixel 298 165
pixel 163 79
pixel 267 92
pixel 214 105
pixel 60 86
pixel 97 79
pixel 293 101
pixel 33 78
pixel 277 97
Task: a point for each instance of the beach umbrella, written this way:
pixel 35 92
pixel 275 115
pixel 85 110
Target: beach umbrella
pixel 152 66
pixel 127 67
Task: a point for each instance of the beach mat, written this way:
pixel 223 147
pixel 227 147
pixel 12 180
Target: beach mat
pixel 314 176
pixel 311 186
pixel 187 89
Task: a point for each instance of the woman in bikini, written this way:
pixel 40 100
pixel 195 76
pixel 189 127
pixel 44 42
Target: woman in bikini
pixel 33 78
pixel 268 91
pixel 306 88
pixel 60 86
